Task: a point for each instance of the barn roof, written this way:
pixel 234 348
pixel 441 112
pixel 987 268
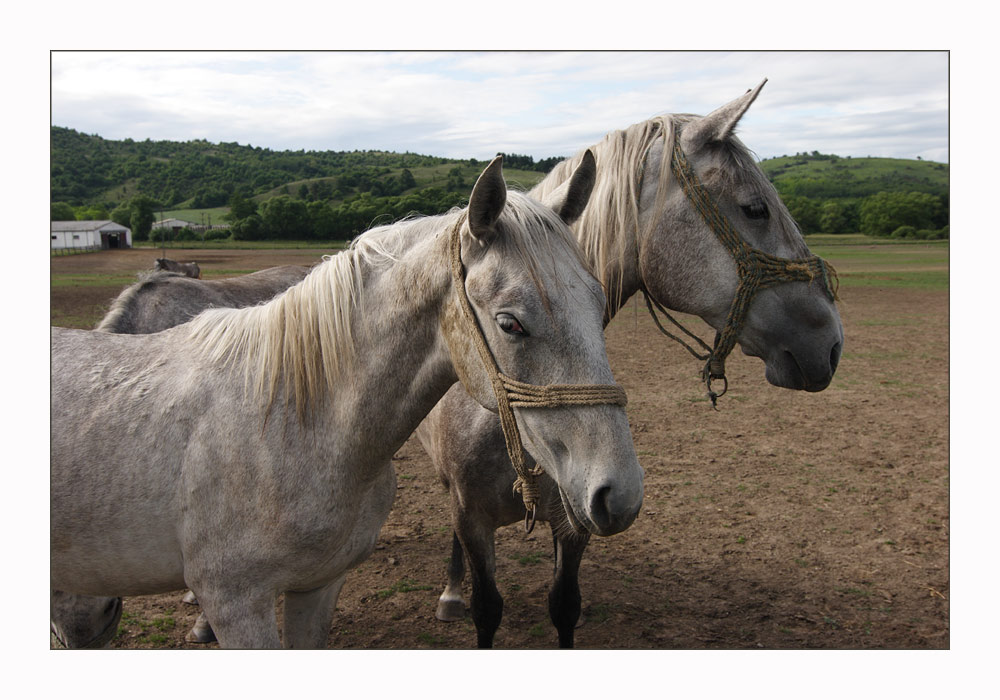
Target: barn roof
pixel 166 223
pixel 86 225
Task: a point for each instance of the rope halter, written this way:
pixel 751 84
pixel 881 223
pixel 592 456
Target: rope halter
pixel 757 270
pixel 511 393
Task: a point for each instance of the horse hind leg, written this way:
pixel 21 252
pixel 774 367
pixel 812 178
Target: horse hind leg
pixel 202 632
pixel 451 605
pixel 487 604
pixel 83 621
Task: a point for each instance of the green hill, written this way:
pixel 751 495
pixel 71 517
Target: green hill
pixel 322 194
pixel 820 176
pixel 90 170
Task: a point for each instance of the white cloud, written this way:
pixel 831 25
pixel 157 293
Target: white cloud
pixel 474 104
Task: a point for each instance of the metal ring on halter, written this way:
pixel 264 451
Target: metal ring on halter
pixel 714 397
pixel 529 520
pixel 725 385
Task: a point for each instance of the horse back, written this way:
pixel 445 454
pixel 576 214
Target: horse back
pixel 164 299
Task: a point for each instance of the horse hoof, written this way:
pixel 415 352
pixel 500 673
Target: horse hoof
pixel 201 636
pixel 190 598
pixel 450 610
pixel 201 633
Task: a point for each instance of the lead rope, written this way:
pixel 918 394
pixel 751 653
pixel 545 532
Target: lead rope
pixel 757 270
pixel 511 393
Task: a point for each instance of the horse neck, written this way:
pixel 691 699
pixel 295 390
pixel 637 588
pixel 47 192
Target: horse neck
pixel 618 212
pixel 401 366
pixel 355 349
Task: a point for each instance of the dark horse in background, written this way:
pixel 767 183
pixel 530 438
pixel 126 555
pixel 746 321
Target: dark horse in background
pixel 190 269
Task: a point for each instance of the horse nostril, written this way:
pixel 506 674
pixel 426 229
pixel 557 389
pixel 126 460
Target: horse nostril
pixel 601 508
pixel 835 357
pixel 612 510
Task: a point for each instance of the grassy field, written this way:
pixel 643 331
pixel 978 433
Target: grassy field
pixel 864 261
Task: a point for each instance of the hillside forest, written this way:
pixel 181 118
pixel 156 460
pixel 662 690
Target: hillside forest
pixel 256 193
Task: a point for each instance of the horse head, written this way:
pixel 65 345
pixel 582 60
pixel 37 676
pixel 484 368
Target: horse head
pixel 719 226
pixel 540 347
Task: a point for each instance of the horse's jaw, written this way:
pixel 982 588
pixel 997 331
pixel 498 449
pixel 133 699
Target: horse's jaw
pixel 571 515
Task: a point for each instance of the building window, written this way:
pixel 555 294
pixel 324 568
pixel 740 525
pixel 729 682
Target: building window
pixel 76 236
pixel 54 238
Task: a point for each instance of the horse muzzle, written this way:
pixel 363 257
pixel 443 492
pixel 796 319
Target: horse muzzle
pixel 611 509
pixel 809 369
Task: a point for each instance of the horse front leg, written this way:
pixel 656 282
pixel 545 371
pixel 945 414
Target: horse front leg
pixel 451 605
pixel 564 596
pixel 309 614
pixel 241 618
pixel 487 604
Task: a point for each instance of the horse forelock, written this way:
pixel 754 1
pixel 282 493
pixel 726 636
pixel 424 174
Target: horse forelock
pixel 534 235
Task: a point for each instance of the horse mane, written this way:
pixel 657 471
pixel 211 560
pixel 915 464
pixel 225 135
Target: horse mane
pixel 611 219
pixel 303 339
pixel 116 320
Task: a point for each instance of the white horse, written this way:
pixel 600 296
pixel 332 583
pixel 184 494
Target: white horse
pixel 643 232
pixel 248 452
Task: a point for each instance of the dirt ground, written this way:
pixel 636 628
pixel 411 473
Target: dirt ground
pixel 784 520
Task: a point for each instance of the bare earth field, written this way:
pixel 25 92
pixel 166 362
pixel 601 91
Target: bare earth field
pixel 784 520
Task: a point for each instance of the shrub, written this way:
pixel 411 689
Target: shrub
pixel 216 234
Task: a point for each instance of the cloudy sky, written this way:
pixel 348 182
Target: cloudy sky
pixel 473 104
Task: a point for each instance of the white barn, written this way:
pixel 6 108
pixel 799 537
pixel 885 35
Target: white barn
pixel 175 225
pixel 90 235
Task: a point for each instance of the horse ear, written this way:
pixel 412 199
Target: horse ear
pixel 580 187
pixel 719 125
pixel 489 195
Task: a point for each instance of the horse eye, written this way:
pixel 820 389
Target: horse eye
pixel 509 324
pixel 757 210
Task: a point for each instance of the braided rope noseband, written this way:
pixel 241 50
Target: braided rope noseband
pixel 511 393
pixel 757 270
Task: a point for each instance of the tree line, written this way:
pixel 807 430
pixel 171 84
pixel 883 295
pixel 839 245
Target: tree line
pixel 877 196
